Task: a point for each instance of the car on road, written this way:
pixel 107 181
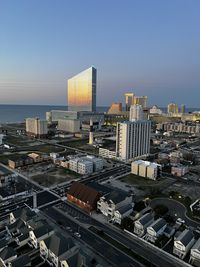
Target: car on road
pixel 180 221
pixel 77 234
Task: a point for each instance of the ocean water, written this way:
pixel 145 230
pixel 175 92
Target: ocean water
pixel 17 113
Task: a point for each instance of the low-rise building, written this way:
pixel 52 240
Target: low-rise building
pixel 59 251
pixel 195 254
pixel 140 225
pixel 24 214
pixel 86 165
pixel 23 260
pixel 7 255
pixel 183 243
pixel 71 126
pixel 122 212
pixel 145 169
pixel 36 157
pixel 155 229
pixel 38 234
pixel 83 196
pixel 6 178
pixel 179 170
pixel 20 162
pixel 114 204
pixel 106 153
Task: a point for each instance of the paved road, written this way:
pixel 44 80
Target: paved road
pixel 134 243
pixel 176 209
pixel 108 251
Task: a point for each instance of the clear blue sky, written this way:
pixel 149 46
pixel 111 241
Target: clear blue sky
pixel 150 47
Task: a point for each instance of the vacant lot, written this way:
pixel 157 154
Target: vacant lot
pixel 54 177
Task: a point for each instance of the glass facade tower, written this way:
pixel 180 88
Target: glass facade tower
pixel 82 91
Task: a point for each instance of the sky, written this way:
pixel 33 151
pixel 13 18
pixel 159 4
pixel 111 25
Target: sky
pixel 147 47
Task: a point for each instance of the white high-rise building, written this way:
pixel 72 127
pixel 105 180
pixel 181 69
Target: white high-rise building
pixel 36 127
pixel 136 113
pixel 133 139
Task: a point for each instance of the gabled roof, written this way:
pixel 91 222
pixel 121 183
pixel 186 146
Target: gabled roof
pixel 59 244
pixel 3 243
pixel 24 214
pixel 83 193
pixel 18 224
pixel 158 224
pixel 145 218
pixel 197 245
pixel 23 237
pixel 7 253
pixel 23 260
pixel 42 230
pixel 116 196
pixel 185 237
pixel 125 208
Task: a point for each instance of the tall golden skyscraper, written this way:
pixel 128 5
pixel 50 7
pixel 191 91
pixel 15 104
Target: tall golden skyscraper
pixel 82 91
pixel 132 99
pixel 129 100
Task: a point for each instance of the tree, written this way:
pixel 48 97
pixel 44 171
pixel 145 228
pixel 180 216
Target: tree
pixel 160 210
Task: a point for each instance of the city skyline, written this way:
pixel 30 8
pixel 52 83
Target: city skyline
pixel 147 48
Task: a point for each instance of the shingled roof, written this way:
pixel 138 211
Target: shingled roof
pixel 59 244
pixel 84 193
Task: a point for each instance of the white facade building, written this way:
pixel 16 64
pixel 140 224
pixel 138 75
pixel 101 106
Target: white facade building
pixel 195 254
pixel 155 110
pixel 36 127
pixel 136 113
pixel 156 229
pixel 141 224
pixel 133 139
pixel 115 206
pixel 86 165
pixel 183 243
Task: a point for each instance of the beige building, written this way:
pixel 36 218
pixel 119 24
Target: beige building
pixel 172 108
pixel 145 169
pixel 36 127
pixel 115 108
pixel 71 126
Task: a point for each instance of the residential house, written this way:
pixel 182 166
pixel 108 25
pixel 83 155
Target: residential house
pixel 183 243
pixel 112 202
pixel 38 234
pixel 58 250
pixel 122 212
pixel 140 225
pixel 3 243
pixel 195 254
pixel 7 255
pixel 155 229
pixel 23 261
pixel 25 214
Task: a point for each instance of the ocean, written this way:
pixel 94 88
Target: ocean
pixel 17 113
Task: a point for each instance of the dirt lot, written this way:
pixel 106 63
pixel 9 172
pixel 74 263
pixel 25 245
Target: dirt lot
pixel 54 176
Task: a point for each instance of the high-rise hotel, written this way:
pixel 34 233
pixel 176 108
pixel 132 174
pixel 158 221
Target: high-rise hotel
pixel 82 91
pixel 133 137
